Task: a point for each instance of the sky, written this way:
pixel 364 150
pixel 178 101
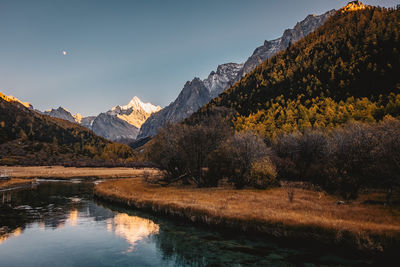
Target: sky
pixel 91 55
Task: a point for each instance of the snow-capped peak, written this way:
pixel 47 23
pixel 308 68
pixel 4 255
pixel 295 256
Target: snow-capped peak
pixel 135 112
pixel 137 104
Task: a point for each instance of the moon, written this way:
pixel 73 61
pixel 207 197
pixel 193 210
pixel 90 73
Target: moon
pixel 64 52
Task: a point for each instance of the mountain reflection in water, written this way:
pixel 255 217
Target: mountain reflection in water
pixel 132 228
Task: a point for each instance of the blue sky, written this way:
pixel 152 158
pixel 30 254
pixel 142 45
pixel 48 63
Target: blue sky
pixel 122 48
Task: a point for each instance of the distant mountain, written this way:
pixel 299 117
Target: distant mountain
pixel 87 121
pixel 120 122
pixel 30 138
pixel 60 113
pixel 113 128
pixel 135 113
pixel 199 92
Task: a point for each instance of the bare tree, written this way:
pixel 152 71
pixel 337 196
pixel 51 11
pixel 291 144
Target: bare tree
pixel 235 156
pixel 183 150
pixel 352 157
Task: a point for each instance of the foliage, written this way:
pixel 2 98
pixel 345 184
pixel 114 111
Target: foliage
pixel 343 159
pixel 263 174
pixel 285 115
pixel 235 157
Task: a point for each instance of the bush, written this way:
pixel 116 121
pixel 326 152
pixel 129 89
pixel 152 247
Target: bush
pixel 263 174
pixel 234 158
pixel 300 152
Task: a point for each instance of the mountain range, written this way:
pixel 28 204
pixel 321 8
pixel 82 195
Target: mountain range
pixel 138 120
pixel 198 92
pixel 121 123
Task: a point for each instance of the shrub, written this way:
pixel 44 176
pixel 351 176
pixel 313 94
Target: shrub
pixel 263 174
pixel 234 158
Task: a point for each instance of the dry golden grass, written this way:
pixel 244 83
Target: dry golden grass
pixel 13 183
pixel 311 214
pixel 60 172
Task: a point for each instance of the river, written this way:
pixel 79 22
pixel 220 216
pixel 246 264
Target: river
pixel 61 224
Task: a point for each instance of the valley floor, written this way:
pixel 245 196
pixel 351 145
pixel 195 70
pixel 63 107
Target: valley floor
pixel 60 172
pixel 314 216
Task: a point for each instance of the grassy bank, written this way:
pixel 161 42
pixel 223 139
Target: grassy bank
pixel 60 172
pixel 312 215
pixel 16 182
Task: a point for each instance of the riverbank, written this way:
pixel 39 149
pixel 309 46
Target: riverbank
pixel 13 183
pixel 313 216
pixel 60 172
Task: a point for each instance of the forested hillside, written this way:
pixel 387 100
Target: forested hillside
pixel 322 111
pixel 347 69
pixel 29 138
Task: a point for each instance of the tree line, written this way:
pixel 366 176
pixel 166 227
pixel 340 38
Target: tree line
pixel 341 160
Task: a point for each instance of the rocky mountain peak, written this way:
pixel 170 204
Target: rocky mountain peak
pixel 135 112
pixel 60 113
pixel 353 6
pixel 137 104
pixel 218 81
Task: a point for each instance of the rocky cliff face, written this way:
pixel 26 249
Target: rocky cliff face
pixel 60 113
pixel 290 36
pixel 87 121
pixel 113 128
pixel 198 92
pixel 218 81
pixel 193 96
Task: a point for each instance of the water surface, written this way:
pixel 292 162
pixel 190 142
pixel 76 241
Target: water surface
pixel 60 224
